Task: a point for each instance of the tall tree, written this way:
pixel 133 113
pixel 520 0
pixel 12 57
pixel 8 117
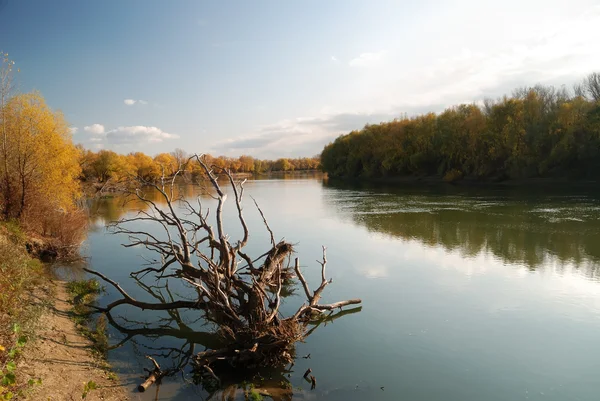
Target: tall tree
pixel 6 88
pixel 42 160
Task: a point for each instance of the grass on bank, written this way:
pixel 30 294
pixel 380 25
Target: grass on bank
pixel 20 277
pixel 81 294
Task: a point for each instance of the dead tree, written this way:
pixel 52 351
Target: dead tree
pixel 238 293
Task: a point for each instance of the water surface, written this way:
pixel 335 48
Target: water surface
pixel 468 294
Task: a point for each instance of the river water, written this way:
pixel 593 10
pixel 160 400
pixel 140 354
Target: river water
pixel 468 294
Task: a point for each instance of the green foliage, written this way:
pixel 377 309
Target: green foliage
pixel 83 293
pixel 254 395
pixel 13 231
pixel 87 387
pixel 250 392
pixel 9 386
pixel 537 132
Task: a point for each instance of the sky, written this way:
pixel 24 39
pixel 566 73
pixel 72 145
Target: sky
pixel 282 78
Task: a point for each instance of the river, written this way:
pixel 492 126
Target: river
pixel 468 293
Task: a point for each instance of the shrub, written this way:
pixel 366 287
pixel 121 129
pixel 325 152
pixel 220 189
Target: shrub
pixel 453 175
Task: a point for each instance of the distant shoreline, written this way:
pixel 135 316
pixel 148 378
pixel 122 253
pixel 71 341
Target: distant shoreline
pixel 471 181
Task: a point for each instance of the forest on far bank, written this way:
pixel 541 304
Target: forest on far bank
pixel 538 131
pixel 106 165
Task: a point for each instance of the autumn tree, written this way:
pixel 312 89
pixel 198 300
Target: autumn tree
pixel 167 162
pixel 246 163
pixel 42 161
pixel 143 166
pixel 40 170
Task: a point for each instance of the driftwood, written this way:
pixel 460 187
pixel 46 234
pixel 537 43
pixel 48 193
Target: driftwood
pixel 241 295
pixel 310 378
pixel 155 376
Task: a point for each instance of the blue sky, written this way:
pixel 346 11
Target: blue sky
pixel 282 78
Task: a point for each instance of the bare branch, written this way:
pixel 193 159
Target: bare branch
pixel 302 280
pixel 265 221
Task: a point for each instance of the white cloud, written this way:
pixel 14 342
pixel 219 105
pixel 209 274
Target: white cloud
pixel 131 102
pixel 98 146
pixel 137 134
pixel 334 58
pixel 366 59
pixel 95 129
pixel 73 130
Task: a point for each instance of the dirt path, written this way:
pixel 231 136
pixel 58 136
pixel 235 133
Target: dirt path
pixel 62 358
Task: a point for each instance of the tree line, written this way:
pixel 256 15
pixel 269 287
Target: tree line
pixel 539 131
pixel 105 164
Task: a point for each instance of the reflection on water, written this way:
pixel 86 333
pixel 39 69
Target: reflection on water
pixel 524 327
pixel 514 226
pixel 113 207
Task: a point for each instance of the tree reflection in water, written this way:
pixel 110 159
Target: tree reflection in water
pixel 558 228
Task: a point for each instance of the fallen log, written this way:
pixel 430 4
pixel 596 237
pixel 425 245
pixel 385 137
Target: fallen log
pixel 155 376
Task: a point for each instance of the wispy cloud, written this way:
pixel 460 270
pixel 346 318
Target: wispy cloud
pixel 95 129
pixel 366 59
pixel 297 137
pixel 335 59
pixel 73 130
pixel 143 102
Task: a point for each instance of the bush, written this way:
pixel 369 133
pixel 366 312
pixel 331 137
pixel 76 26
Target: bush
pixel 453 175
pixel 61 232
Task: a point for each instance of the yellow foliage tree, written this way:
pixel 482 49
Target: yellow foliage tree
pixel 41 162
pixel 167 163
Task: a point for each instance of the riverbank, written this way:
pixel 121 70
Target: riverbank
pixel 62 357
pixel 537 182
pixel 43 355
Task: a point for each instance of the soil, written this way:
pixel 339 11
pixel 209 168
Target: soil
pixel 64 359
